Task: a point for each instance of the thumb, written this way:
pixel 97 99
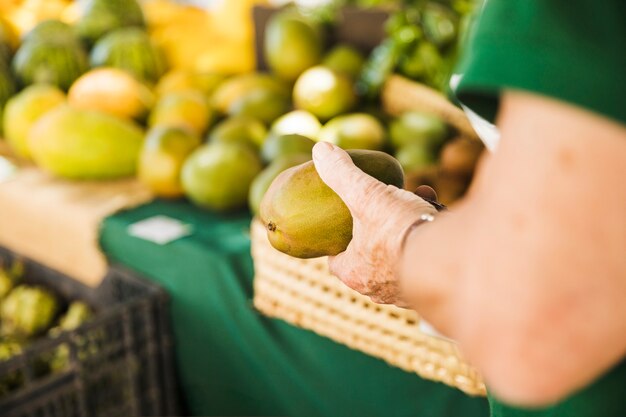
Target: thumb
pixel 337 170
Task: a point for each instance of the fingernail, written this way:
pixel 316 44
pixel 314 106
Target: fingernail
pixel 322 150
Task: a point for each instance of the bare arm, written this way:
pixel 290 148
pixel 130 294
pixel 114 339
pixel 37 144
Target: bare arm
pixel 528 273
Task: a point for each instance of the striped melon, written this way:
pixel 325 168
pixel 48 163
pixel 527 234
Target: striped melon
pixel 53 62
pixel 132 50
pixel 100 17
pixel 51 30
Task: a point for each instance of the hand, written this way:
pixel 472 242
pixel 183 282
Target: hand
pixel 381 216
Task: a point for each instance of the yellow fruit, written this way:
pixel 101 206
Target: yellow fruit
pixel 324 92
pixel 161 159
pixel 24 109
pixel 85 144
pixel 236 88
pixel 305 218
pixel 182 80
pixel 297 122
pixel 111 91
pixel 187 109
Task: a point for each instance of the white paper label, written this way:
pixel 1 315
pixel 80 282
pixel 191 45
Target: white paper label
pixel 160 229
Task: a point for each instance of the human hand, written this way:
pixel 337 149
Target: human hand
pixel 381 214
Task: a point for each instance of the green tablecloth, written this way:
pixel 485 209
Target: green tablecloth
pixel 233 361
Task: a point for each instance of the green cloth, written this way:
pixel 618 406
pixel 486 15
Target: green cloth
pixel 572 50
pixel 232 361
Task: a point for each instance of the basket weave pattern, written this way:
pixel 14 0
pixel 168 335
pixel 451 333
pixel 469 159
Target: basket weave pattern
pixel 303 293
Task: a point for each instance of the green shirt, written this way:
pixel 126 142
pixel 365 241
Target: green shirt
pixel 572 50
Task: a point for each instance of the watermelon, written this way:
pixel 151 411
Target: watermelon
pixel 7 89
pixel 100 17
pixel 130 49
pixel 49 30
pixel 53 62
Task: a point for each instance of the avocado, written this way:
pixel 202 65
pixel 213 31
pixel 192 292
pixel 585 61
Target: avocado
pixel 304 218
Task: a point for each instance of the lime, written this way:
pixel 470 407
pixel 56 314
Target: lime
pixel 262 103
pixel 217 176
pixel 277 146
pixel 418 128
pixel 161 159
pixel 345 59
pixel 324 92
pixel 414 157
pixel 241 129
pixel 354 131
pixel 299 122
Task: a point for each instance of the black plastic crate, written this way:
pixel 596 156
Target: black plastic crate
pixel 119 363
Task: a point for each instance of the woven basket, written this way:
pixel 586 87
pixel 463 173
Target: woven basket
pixel 303 293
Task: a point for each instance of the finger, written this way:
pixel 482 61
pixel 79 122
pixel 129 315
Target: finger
pixel 337 170
pixel 340 266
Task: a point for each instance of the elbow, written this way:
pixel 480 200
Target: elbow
pixel 521 368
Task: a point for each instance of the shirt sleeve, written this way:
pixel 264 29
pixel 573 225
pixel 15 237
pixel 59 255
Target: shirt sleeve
pixel 571 50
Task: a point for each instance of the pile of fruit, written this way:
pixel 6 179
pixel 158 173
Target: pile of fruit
pixel 98 100
pixel 28 313
pixel 423 41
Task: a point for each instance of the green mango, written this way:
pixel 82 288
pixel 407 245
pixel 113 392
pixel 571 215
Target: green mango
pixel 291 46
pixel 304 218
pixel 217 176
pixel 85 144
pixel 276 146
pixel 263 181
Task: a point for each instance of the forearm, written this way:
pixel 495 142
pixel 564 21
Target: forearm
pixel 515 271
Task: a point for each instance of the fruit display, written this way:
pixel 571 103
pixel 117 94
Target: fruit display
pixel 131 110
pixel 423 40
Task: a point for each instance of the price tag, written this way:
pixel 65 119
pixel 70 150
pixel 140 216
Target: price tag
pixel 160 229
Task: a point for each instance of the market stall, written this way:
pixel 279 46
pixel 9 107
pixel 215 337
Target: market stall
pixel 164 232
